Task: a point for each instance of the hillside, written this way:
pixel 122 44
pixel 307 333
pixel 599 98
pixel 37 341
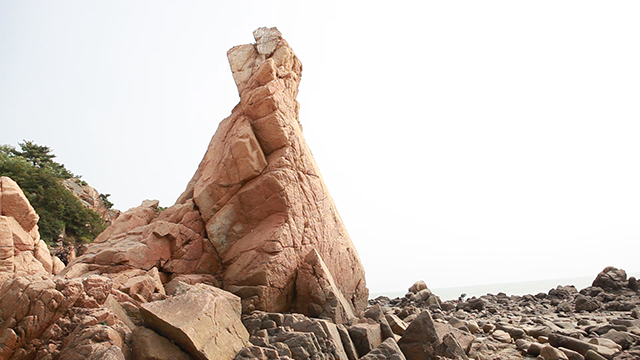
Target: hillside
pixel 56 194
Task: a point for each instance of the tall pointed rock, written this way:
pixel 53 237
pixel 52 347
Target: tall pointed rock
pixel 256 218
pixel 260 192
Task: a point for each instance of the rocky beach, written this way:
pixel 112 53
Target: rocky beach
pixel 254 262
pixel 597 322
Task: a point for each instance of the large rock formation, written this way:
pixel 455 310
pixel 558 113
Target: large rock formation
pixel 260 192
pixel 41 315
pixel 256 220
pixel 256 211
pixel 46 317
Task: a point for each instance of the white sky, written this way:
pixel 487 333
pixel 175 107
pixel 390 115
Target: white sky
pixel 464 142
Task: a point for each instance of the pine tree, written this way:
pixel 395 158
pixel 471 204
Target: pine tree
pixel 40 177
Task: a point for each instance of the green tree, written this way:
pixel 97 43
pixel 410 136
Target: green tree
pixel 40 179
pixel 105 199
pixel 42 157
pixel 37 155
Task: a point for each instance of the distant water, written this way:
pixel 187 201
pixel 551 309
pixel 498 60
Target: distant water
pixel 513 288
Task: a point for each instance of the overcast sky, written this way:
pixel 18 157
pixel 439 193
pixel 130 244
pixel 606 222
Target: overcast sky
pixel 464 142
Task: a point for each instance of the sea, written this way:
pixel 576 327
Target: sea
pixel 511 288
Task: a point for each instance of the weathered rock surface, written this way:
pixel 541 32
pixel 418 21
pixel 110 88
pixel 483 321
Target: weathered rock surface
pixel 44 317
pixel 425 339
pixel 611 279
pixel 148 345
pixel 256 215
pixel 318 294
pixel 14 204
pixel 201 319
pixel 295 336
pixel 140 241
pixel 260 192
pixel 388 350
pixel 47 318
pixel 90 198
pixel 366 336
pixel 22 252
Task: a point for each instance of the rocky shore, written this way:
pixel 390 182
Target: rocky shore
pixel 597 322
pixel 254 262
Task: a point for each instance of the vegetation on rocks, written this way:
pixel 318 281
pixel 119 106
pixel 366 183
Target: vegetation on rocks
pixel 33 168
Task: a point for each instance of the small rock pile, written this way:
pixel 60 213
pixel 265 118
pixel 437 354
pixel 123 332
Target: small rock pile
pixel 382 333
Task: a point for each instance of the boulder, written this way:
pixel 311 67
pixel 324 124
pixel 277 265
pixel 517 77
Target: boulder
pixel 585 303
pixel 18 253
pixel 420 339
pixel 298 345
pixel 325 332
pixel 112 304
pixel 558 340
pixel 501 336
pixel 398 326
pixel 347 342
pixel 317 292
pixel 204 321
pixel 458 324
pixel 331 332
pixel 388 349
pixel 376 314
pixel 548 352
pixel 472 304
pixel 624 339
pixel 451 348
pixel 514 332
pixel 592 355
pixel 148 345
pixel 131 219
pixel 611 279
pixel 14 204
pixel 418 286
pixel 96 342
pixel 607 343
pixel 22 240
pixel 473 327
pixel 424 339
pixel 22 252
pixel 366 336
pixel 535 348
pixel 571 355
